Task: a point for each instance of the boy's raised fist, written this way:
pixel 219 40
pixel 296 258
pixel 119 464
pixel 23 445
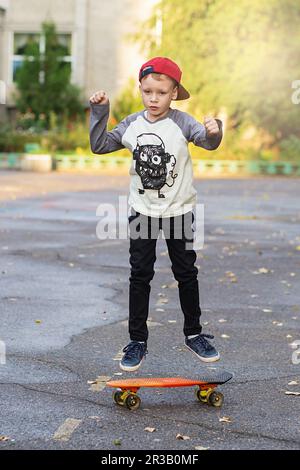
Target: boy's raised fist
pixel 99 98
pixel 211 125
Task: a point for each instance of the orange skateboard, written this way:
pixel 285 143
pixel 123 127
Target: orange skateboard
pixel 126 393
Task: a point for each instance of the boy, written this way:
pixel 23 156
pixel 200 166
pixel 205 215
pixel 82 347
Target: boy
pixel 160 191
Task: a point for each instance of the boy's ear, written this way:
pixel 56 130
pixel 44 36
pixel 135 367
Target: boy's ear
pixel 175 93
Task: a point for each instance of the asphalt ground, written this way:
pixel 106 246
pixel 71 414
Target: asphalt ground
pixel 64 309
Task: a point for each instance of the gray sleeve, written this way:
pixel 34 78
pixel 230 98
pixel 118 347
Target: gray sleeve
pixel 101 140
pixel 197 135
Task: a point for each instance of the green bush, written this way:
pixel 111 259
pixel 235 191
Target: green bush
pixel 69 137
pixel 290 149
pixel 12 140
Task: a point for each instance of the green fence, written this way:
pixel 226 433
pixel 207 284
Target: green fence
pixel 10 161
pixel 97 162
pixel 234 167
pixel 216 167
pixel 201 167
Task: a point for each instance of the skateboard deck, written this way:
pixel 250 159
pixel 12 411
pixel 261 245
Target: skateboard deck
pixel 126 393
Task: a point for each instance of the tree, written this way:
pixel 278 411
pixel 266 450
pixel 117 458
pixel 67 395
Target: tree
pixel 127 102
pixel 43 80
pixel 242 55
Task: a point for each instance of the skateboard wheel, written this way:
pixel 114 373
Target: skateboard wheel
pixel 215 399
pixel 132 401
pixel 117 397
pixel 201 395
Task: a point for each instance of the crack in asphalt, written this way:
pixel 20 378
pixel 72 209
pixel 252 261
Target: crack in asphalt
pixel 54 256
pixel 43 361
pixel 231 431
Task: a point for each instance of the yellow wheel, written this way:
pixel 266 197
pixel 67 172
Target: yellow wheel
pixel 132 401
pixel 215 399
pixel 201 395
pixel 117 396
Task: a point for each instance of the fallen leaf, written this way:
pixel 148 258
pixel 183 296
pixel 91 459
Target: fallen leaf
pixel 38 321
pixel 162 300
pixel 4 438
pixel 152 324
pixel 225 419
pixel 173 285
pixel 182 438
pixel 219 230
pixel 229 274
pixel 164 253
pixel 292 393
pixel 117 442
pixel 277 323
pixel 225 336
pixel 293 382
pixel 99 383
pixel 243 217
pixel 263 270
pixel 201 448
pixel 150 429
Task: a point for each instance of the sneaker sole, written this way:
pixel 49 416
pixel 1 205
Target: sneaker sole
pixel 130 368
pixel 204 359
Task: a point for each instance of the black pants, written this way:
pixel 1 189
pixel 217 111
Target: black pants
pixel 142 258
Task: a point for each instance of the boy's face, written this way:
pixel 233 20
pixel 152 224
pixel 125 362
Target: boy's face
pixel 157 94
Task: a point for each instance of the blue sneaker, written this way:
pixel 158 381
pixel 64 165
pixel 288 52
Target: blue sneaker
pixel 134 354
pixel 202 348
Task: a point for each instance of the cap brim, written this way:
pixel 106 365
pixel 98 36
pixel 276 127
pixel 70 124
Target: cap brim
pixel 183 94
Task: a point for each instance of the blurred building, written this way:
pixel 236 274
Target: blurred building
pixel 92 34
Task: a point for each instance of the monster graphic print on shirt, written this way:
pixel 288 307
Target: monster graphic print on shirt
pixel 153 163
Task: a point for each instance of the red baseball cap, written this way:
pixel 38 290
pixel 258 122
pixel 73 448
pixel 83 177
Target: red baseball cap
pixel 167 67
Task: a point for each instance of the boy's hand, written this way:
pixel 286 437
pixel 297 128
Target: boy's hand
pixel 211 126
pixel 99 98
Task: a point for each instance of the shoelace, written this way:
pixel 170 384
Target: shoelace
pixel 205 343
pixel 132 348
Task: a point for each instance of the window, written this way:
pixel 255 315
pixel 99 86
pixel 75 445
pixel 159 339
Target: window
pixel 35 42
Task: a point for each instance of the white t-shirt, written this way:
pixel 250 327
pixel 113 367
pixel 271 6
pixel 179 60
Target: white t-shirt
pixel 161 172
